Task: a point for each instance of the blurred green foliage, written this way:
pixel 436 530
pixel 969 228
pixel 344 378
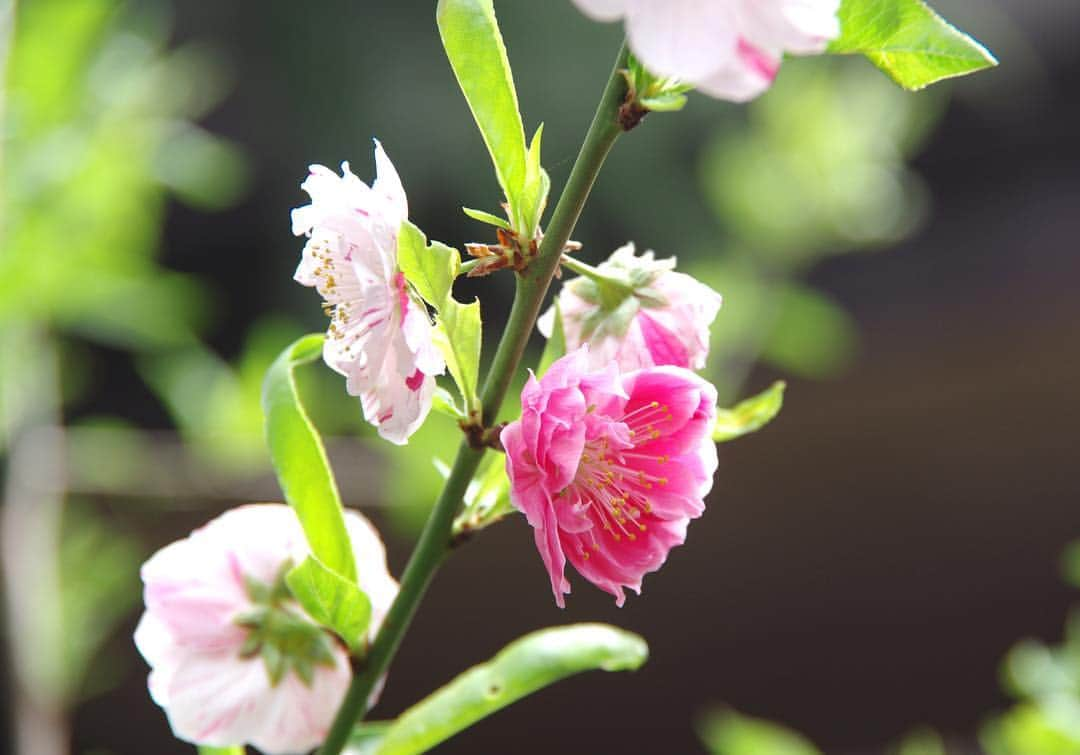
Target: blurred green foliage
pixel 727 732
pixel 1044 679
pixel 819 168
pixel 98 132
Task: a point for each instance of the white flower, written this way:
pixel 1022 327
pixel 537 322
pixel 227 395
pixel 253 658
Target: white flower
pixel 662 318
pixel 234 660
pixel 730 49
pixel 380 333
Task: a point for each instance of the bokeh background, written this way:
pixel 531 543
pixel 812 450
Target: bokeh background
pixel 907 262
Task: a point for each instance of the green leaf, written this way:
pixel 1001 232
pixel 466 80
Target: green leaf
pixel 534 194
pixel 444 403
pixel 921 741
pixel 331 599
pixel 208 750
pixel 431 269
pixel 523 667
pixel 908 41
pixel 750 415
pixel 365 738
pixel 732 733
pixel 487 499
pixel 556 344
pixel 474 45
pixel 300 461
pixel 458 335
pixel 487 217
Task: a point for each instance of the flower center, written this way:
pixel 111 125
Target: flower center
pixel 614 480
pixel 280 633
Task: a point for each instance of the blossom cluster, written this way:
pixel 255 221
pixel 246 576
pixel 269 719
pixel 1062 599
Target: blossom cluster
pixel 612 455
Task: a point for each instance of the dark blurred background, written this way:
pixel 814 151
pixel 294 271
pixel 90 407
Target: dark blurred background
pixel 907 262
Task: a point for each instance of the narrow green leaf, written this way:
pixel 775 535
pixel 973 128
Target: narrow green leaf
pixel 300 461
pixel 728 732
pixel 458 335
pixel 534 194
pixel 487 217
pixel 332 600
pixel 470 34
pixel 208 750
pixel 908 41
pixel 664 103
pixel 444 403
pixel 750 415
pixel 523 667
pixel 556 344
pixel 431 268
pixel 366 737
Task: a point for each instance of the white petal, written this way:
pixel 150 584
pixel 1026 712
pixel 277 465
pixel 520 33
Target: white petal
pixel 219 699
pixel 297 717
pixel 794 26
pixel 688 39
pixel 388 185
pixel 745 76
pixel 603 10
pixel 194 592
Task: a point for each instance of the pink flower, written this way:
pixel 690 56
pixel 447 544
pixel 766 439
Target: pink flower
pixel 730 49
pixel 234 660
pixel 649 316
pixel 380 334
pixel 610 468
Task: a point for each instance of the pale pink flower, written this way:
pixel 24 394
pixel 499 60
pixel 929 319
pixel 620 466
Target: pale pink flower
pixel 380 334
pixel 662 317
pixel 609 468
pixel 730 49
pixel 210 644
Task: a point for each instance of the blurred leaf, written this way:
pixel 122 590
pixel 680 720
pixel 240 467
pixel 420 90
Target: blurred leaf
pixel 487 499
pixel 908 41
pixel 1033 670
pixel 99 566
pixel 458 336
pixel 470 34
pixel 811 335
pixel 203 170
pixel 921 741
pixel 749 415
pixel 208 750
pixel 431 269
pixel 332 600
pixel 1070 563
pixel 1030 729
pixel 300 461
pixel 412 482
pixel 728 732
pixel 836 184
pixel 521 668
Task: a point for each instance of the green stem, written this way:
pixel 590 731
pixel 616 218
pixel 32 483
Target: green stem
pixel 532 284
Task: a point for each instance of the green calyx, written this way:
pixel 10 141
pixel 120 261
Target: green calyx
pixel 647 93
pixel 620 284
pixel 280 633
